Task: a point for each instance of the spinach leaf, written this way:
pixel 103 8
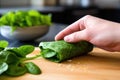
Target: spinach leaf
pixel 1 49
pixel 26 49
pixel 15 70
pixel 34 13
pixel 15 50
pixel 32 68
pixel 48 53
pixel 3 44
pixel 22 51
pixel 3 67
pixel 8 57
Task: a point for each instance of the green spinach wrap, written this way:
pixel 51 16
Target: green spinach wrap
pixel 58 51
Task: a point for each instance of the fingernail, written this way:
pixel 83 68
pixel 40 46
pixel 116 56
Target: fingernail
pixel 67 39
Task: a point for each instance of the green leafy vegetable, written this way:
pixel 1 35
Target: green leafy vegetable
pixel 3 67
pixel 26 49
pixel 3 44
pixel 15 70
pixel 13 60
pixel 1 49
pixel 24 19
pixel 48 53
pixel 32 68
pixel 8 57
pixel 58 51
pixel 22 51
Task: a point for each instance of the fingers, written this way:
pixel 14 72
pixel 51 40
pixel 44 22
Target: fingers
pixel 76 26
pixel 76 36
pixel 79 25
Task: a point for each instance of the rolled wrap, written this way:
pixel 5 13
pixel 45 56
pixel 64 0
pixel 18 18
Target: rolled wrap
pixel 58 51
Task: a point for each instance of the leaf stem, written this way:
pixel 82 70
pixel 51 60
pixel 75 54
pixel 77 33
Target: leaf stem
pixel 29 58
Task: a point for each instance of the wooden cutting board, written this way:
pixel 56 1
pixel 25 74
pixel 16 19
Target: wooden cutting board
pixel 98 65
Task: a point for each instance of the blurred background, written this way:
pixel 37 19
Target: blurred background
pixel 64 12
pixel 67 11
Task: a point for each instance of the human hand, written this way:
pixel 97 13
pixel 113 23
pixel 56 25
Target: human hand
pixel 101 33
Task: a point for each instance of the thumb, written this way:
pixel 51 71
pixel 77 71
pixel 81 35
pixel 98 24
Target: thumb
pixel 76 36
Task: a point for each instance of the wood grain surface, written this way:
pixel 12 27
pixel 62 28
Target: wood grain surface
pixel 97 65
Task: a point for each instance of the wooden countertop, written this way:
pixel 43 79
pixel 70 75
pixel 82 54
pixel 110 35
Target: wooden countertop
pixel 97 65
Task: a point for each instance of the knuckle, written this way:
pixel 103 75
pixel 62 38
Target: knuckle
pixel 76 36
pixel 87 16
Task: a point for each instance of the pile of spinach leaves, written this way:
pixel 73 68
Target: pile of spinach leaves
pixel 13 61
pixel 22 19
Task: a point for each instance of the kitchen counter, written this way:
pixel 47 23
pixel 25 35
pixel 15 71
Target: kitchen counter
pixel 54 29
pixel 97 65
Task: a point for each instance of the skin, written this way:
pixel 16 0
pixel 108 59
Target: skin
pixel 101 33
